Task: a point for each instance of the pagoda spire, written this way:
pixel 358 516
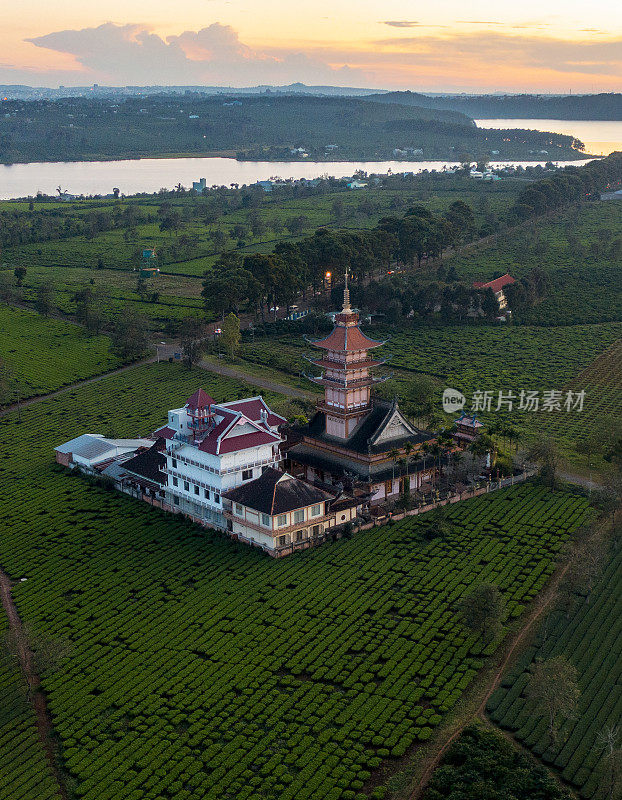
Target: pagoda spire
pixel 346 297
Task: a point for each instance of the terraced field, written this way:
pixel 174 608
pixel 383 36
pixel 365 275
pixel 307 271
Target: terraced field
pixel 591 638
pixel 44 354
pixel 199 667
pixel 602 383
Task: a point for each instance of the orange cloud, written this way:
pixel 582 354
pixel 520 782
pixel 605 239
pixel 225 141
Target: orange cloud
pixel 432 60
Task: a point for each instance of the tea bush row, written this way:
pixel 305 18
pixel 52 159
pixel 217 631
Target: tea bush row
pixel 199 667
pixel 44 354
pixel 590 637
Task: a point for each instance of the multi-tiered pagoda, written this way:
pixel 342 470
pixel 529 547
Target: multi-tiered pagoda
pixel 355 439
pixel 346 376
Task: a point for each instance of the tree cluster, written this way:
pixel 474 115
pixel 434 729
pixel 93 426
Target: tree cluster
pixel 568 186
pixel 316 261
pixel 483 764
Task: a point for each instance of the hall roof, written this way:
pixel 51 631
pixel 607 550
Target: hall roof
pixel 276 492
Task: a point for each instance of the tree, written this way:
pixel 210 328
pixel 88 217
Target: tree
pixel 192 335
pixel 609 740
pixel 553 691
pixel 7 292
pixel 490 306
pixel 481 610
pixel 228 286
pixel 129 335
pixel 231 336
pixel 89 309
pixel 394 455
pixel 586 565
pixel 219 239
pixel 44 299
pixel 544 452
pixel 20 274
pixel 482 764
pixel 439 525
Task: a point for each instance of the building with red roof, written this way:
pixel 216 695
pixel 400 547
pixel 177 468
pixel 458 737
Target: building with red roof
pixel 213 447
pixel 497 285
pixel 354 437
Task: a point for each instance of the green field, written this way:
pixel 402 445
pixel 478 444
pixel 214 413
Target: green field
pixel 24 771
pixel 589 636
pixel 44 354
pixel 580 250
pixel 471 358
pixel 200 666
pixel 97 243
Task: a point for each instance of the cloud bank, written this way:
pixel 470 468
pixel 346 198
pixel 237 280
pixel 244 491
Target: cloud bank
pixel 124 54
pixel 417 58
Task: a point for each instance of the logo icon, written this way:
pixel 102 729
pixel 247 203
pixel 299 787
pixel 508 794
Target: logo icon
pixel 453 401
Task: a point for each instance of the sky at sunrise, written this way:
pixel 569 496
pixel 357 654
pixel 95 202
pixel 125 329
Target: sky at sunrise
pixel 450 45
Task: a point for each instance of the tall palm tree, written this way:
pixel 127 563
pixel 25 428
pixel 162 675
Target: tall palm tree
pixel 408 448
pixel 436 451
pixel 394 455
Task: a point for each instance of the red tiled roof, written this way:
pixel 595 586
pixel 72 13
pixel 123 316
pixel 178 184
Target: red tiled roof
pixel 495 285
pixel 165 433
pixel 246 440
pixel 210 443
pixel 252 408
pixel 221 439
pixel 200 399
pixel 230 444
pixel 343 338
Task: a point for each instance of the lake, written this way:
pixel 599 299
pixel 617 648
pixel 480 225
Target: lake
pixel 600 137
pixel 152 174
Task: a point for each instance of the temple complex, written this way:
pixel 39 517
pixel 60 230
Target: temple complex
pixel 354 439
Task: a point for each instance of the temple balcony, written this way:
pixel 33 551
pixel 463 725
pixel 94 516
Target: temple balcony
pixel 343 366
pixel 340 383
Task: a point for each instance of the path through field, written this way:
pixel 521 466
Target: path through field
pixel 253 380
pixel 70 387
pixel 484 692
pixel 36 694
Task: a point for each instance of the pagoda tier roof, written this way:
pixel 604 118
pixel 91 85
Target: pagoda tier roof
pixel 346 338
pixel 326 363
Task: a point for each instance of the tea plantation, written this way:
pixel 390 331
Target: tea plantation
pixel 44 354
pixel 24 772
pixel 590 638
pixel 579 250
pixel 580 357
pixel 201 668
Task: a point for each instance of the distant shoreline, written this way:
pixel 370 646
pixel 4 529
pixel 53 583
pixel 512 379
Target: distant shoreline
pixel 574 155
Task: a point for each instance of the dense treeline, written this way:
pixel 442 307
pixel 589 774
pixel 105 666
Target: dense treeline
pixel 482 764
pixel 604 106
pixel 266 126
pixel 316 261
pixel 569 186
pixel 279 277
